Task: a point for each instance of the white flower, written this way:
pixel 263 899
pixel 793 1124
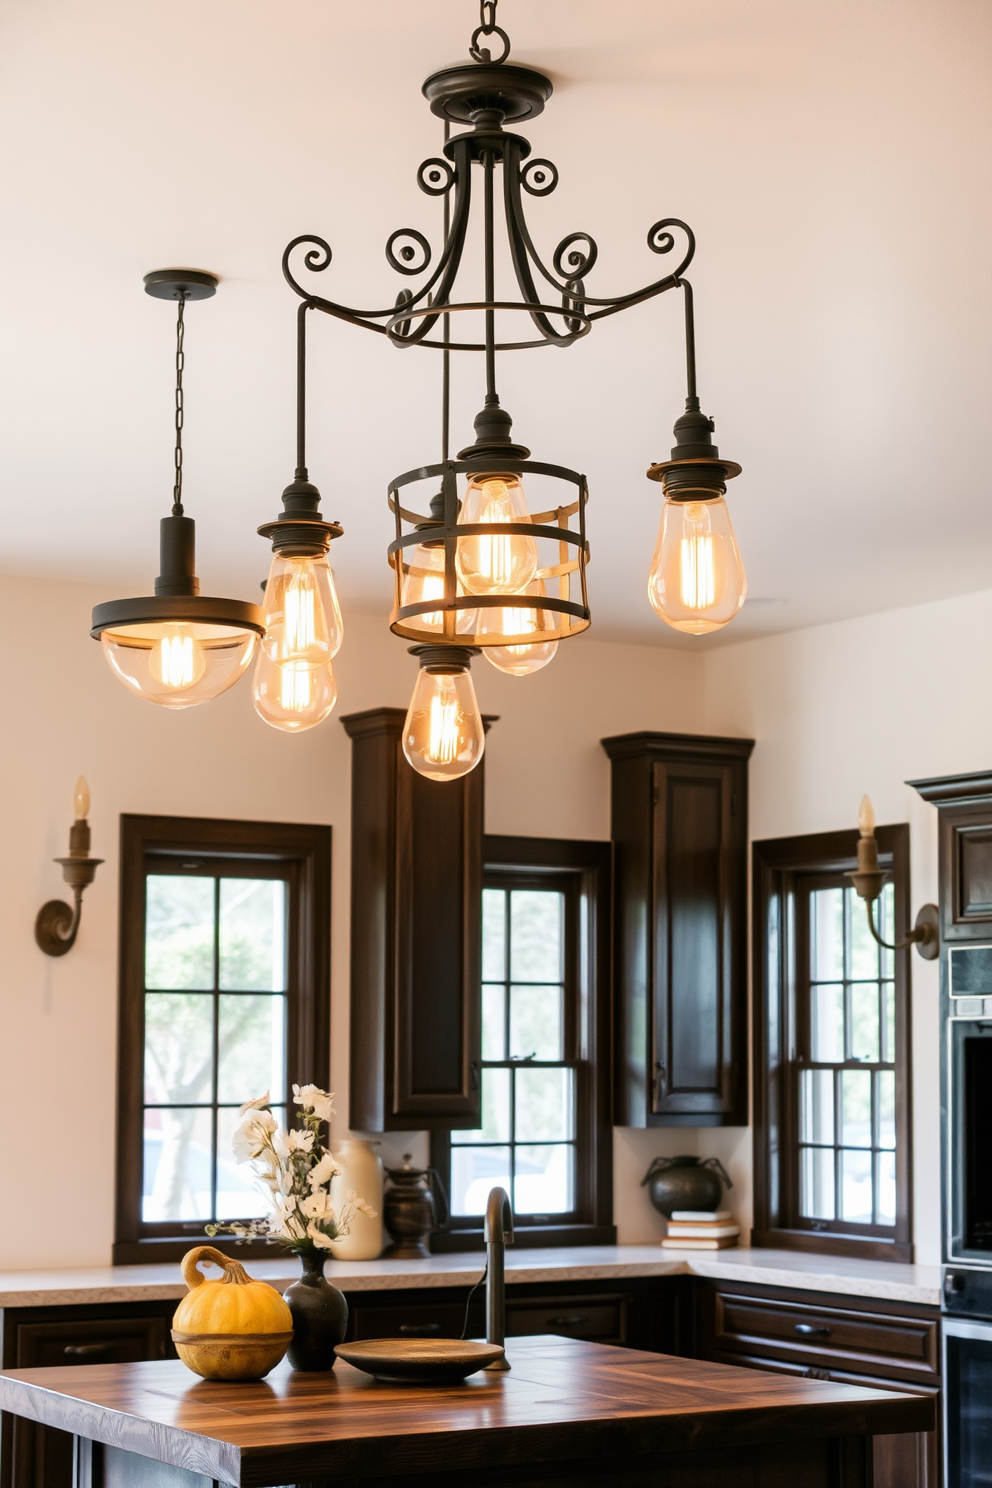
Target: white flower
pixel 255 1105
pixel 312 1098
pixel 252 1136
pixel 288 1142
pixel 324 1242
pixel 318 1205
pixel 323 1171
pixel 361 1205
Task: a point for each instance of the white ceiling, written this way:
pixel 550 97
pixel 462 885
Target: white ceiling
pixel 832 156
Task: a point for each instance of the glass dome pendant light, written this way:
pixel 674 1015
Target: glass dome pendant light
pixel 294 687
pixel 178 647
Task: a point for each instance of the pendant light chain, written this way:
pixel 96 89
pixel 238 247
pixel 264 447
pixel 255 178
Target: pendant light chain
pixel 177 490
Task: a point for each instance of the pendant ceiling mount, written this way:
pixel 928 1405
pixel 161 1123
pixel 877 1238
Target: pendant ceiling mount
pixel 181 284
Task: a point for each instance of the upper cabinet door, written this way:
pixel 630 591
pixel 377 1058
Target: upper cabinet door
pixel 416 927
pixel 679 807
pixel 964 804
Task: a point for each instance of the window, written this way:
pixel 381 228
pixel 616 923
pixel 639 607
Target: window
pixel 831 1049
pixel 546 1135
pixel 224 994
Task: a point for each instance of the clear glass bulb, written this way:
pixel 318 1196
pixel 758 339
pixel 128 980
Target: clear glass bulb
pixel 178 663
pixel 293 695
pixel 697 581
pixel 301 611
pixel 443 736
pixel 425 581
pixel 519 661
pixel 81 799
pixel 494 564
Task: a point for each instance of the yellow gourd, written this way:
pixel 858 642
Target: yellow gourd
pixel 231 1329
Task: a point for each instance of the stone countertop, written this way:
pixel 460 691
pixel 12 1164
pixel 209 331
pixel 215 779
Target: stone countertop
pixel 850 1276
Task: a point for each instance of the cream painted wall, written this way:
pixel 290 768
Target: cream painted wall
pixel 65 715
pixel 865 705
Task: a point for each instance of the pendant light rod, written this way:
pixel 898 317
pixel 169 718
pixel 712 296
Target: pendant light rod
pixel 489 166
pixel 301 390
pixel 691 399
pixel 446 331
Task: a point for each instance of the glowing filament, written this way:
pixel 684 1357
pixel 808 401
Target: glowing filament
pixel 442 745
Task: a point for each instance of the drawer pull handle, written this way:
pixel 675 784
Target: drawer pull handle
pixel 567 1322
pixel 87 1350
pixel 419 1330
pixel 813 1330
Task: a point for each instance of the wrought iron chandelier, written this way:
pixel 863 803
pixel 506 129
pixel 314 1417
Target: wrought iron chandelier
pixel 474 569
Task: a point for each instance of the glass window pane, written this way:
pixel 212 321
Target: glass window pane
pixel 251 1047
pixel 827 1024
pixel 495 1112
pixel 536 1022
pixel 816 1187
pixel 543 1105
pixel 885 1203
pixel 493 1021
pixel 179 1048
pixel 816 1092
pixel 544 1181
pixel 885 1095
pixel 238 1196
pixel 889 1006
pixel 494 935
pixel 178 1165
pixel 179 932
pixel 855 1187
pixel 887 926
pixel 536 935
pixel 474 1171
pixel 253 934
pixel 864 1022
pixel 855 1105
pixel 827 922
pixel 864 947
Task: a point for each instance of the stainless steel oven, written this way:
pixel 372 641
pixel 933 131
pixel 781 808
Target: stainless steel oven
pixel 969 1141
pixel 967 1346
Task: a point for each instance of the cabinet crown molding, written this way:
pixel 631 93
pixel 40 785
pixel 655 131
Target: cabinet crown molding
pixel 676 747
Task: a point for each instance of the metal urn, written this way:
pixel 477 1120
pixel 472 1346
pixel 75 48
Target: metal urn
pixel 686 1183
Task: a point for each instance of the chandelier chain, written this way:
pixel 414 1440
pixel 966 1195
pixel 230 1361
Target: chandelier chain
pixel 177 490
pixel 487 16
pixel 487 27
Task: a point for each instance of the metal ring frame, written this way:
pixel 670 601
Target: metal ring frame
pixel 571 616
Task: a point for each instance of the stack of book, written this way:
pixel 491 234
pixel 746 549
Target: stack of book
pixel 701 1229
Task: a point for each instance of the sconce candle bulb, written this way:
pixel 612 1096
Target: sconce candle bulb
pixel 56 924
pixel 868 880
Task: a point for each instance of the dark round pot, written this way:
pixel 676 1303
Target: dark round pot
pixel 685 1183
pixel 320 1315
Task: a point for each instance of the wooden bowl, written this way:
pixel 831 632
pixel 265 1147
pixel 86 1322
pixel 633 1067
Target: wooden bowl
pixel 231 1356
pixel 427 1361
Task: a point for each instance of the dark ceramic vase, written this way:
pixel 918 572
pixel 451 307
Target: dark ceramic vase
pixel 685 1183
pixel 320 1315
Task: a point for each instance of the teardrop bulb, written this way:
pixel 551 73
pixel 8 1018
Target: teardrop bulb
pixel 522 659
pixel 293 695
pixel 697 582
pixel 443 734
pixel 490 563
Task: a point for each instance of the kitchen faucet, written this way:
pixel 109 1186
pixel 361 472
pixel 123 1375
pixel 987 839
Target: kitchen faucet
pixel 498 1234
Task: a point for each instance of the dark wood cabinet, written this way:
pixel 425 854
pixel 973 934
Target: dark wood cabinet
pixel 416 897
pixel 679 829
pixel 35 1456
pixel 882 1345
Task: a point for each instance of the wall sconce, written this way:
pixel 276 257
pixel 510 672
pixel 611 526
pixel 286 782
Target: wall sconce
pixel 56 926
pixel 868 881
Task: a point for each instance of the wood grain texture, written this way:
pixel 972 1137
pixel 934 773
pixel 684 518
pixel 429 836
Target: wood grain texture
pixel 563 1401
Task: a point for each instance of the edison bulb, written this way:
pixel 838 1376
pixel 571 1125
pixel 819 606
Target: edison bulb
pixel 301 611
pixel 81 799
pixel 492 564
pixel 424 581
pixel 519 660
pixel 293 695
pixel 178 663
pixel 697 582
pixel 443 736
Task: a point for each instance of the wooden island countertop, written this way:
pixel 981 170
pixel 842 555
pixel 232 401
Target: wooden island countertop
pixel 568 1411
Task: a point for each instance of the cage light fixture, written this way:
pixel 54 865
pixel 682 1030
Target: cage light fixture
pixel 475 569
pixel 178 647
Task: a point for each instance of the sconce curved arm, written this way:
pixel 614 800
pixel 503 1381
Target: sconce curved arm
pixel 57 925
pixel 925 934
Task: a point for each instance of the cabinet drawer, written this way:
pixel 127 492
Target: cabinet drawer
pixel 421 1320
pixel 603 1319
pixel 831 1338
pixel 90 1341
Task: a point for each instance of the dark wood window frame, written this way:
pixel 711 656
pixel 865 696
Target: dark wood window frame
pixel 301 854
pixel 584 869
pixel 777 866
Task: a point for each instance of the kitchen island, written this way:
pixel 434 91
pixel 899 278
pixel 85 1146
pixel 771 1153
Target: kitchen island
pixel 589 1415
